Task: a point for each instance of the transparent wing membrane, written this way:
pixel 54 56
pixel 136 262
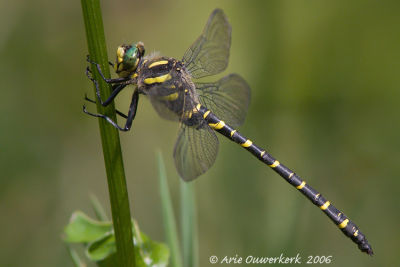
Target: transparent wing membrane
pixel 227 98
pixel 195 151
pixel 209 54
pixel 163 110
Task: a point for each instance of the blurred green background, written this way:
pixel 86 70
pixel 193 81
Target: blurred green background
pixel 325 79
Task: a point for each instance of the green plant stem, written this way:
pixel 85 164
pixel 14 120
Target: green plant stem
pixel 110 137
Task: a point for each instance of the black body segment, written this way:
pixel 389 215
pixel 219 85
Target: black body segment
pixel 348 227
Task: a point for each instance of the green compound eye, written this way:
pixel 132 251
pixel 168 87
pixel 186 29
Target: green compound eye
pixel 127 60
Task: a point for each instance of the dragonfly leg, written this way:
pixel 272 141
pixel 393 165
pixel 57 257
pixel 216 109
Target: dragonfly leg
pixel 129 118
pixel 116 89
pixel 116 110
pixel 117 80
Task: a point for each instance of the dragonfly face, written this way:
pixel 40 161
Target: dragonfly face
pixel 128 58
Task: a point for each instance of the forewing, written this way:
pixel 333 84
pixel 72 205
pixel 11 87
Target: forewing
pixel 209 54
pixel 195 151
pixel 227 98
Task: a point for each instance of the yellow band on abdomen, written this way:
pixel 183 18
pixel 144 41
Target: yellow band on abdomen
pixel 217 126
pixel 273 165
pixel 325 206
pixel 301 185
pixel 247 143
pixel 343 224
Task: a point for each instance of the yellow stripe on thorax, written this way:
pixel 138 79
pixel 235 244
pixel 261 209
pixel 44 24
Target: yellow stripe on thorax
pixel 217 126
pixel 159 79
pixel 171 97
pixel 161 62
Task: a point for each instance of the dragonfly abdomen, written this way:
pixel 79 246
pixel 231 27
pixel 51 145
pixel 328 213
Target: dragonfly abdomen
pixel 348 227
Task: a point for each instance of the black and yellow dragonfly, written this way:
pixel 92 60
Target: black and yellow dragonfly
pixel 200 108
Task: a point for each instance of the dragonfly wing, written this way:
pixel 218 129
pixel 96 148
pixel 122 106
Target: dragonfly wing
pixel 228 98
pixel 195 151
pixel 209 54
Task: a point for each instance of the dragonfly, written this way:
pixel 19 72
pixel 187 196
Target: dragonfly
pixel 202 108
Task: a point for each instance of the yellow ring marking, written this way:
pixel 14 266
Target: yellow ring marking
pixel 161 62
pixel 217 126
pixel 325 206
pixel 198 106
pixel 233 132
pixel 159 79
pixel 344 224
pixel 262 153
pixel 356 233
pixel 301 185
pixel 247 143
pixel 273 165
pixel 206 114
pixel 290 175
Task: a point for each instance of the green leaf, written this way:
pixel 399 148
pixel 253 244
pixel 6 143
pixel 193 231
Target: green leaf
pixel 102 248
pixel 151 253
pixel 82 229
pixel 148 252
pixel 100 242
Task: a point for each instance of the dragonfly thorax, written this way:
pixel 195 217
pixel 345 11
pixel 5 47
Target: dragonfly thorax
pixel 168 85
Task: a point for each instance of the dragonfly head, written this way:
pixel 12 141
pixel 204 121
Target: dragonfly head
pixel 128 58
